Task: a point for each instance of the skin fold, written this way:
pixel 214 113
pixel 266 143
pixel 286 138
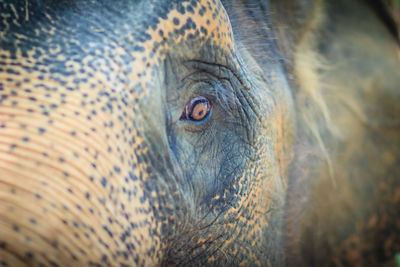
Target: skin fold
pixel 296 162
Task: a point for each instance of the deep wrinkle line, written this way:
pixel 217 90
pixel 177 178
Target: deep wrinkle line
pixel 244 93
pixel 231 92
pixel 235 73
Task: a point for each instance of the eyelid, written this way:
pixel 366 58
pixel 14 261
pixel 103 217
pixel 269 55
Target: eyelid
pixel 217 90
pixel 218 83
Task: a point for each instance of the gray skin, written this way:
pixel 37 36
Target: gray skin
pixel 102 162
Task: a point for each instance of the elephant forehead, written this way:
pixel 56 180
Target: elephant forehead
pixel 203 19
pixel 200 21
pixel 120 48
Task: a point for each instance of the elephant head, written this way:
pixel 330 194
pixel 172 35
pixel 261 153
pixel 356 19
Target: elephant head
pixel 150 132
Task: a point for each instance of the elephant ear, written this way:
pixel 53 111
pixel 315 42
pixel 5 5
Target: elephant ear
pixel 292 18
pixel 389 12
pixel 282 20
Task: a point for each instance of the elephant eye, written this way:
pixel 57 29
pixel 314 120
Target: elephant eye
pixel 198 109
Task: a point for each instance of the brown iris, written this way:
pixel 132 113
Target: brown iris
pixel 197 109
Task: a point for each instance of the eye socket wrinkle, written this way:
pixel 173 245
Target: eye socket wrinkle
pixel 224 81
pixel 211 66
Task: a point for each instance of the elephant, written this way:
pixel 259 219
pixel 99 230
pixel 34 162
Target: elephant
pixel 199 133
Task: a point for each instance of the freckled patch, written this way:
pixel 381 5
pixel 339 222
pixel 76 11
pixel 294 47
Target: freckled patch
pixel 70 147
pixel 179 26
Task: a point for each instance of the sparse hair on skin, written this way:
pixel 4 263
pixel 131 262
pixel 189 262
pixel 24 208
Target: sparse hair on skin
pixel 345 95
pixel 313 111
pixel 314 114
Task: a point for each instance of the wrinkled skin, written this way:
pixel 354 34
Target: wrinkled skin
pixel 297 164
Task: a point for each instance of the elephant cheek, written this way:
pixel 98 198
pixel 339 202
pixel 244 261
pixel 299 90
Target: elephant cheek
pixel 66 200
